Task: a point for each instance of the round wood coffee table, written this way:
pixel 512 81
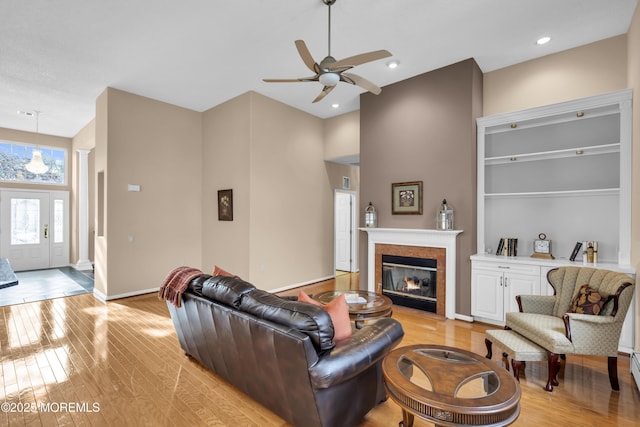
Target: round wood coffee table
pixel 363 305
pixel 450 387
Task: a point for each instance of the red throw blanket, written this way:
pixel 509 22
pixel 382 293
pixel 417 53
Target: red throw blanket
pixel 176 283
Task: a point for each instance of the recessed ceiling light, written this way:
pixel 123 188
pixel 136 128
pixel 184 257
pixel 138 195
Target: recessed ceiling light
pixel 392 64
pixel 543 40
pixel 335 105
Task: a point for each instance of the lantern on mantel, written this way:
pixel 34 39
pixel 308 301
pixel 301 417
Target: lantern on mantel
pixel 370 216
pixel 445 217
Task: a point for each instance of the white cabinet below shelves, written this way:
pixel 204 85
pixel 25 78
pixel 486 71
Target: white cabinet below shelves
pixel 494 287
pixel 497 280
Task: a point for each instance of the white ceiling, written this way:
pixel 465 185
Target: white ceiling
pixel 58 56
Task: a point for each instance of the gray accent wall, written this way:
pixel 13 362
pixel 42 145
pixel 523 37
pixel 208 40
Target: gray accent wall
pixel 424 129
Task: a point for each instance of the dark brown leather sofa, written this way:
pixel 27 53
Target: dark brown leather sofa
pixel 281 352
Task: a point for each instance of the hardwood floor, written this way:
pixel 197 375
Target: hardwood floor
pixel 120 363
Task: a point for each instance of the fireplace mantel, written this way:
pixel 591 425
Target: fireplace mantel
pixel 416 237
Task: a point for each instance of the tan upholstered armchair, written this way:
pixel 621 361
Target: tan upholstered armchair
pixel 560 325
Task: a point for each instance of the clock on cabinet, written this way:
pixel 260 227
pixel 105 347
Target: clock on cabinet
pixel 542 247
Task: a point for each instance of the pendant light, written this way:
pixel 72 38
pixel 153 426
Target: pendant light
pixel 36 165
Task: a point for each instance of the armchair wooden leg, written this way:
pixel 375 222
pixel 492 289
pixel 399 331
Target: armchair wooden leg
pixel 613 373
pixel 489 349
pixel 554 367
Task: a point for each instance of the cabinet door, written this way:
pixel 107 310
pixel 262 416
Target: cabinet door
pixel 487 294
pixel 519 284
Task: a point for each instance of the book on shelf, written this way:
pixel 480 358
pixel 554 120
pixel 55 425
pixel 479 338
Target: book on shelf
pixel 507 246
pixel 576 251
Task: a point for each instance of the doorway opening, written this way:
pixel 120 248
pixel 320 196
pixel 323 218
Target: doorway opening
pixel 345 236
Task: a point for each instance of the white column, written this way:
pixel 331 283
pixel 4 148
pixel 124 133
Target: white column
pixel 83 212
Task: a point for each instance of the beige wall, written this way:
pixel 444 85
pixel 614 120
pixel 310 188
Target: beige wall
pixel 84 140
pixel 584 71
pixel 423 129
pixel 159 147
pixel 633 73
pixel 226 156
pixel 291 200
pixel 336 171
pixel 271 155
pixel 100 162
pixel 342 136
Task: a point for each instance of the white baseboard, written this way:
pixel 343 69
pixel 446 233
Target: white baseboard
pixel 635 368
pixel 464 317
pixel 102 297
pixel 297 285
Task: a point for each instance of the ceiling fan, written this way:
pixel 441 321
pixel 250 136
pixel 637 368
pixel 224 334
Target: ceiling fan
pixel 329 71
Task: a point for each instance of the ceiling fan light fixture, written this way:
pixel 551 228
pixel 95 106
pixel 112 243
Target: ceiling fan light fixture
pixel 329 79
pixel 330 72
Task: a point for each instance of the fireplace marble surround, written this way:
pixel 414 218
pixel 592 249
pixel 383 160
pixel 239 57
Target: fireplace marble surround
pixel 398 237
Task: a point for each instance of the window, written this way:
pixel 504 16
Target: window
pixel 25 221
pixel 13 157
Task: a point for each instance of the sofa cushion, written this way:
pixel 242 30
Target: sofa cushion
pixel 309 319
pixel 196 284
pixel 338 311
pixel 587 301
pixel 227 290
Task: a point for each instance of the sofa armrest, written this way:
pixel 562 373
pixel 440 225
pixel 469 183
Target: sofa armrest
pixel 537 304
pixel 356 354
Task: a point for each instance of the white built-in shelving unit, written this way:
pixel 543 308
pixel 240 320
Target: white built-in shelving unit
pixel 563 170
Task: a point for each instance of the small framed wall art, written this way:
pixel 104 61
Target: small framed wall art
pixel 406 198
pixel 225 205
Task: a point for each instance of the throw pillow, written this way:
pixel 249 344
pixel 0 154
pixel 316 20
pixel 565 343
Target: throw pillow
pixel 587 301
pixel 217 271
pixel 338 311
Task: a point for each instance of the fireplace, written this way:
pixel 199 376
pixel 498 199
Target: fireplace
pixel 411 282
pixel 438 245
pixel 418 263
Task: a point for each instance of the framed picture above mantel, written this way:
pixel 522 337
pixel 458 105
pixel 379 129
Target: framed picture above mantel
pixel 406 198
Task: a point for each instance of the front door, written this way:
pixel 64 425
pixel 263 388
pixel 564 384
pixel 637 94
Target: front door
pixel 34 229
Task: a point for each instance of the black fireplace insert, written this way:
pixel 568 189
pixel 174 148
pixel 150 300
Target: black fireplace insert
pixel 410 281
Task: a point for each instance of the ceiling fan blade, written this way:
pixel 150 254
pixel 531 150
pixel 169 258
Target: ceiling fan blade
pixel 306 55
pixel 363 58
pixel 360 81
pixel 325 92
pixel 302 79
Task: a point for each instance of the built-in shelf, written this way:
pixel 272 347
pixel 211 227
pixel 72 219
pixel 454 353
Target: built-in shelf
pixel 563 170
pixel 555 154
pixel 568 193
